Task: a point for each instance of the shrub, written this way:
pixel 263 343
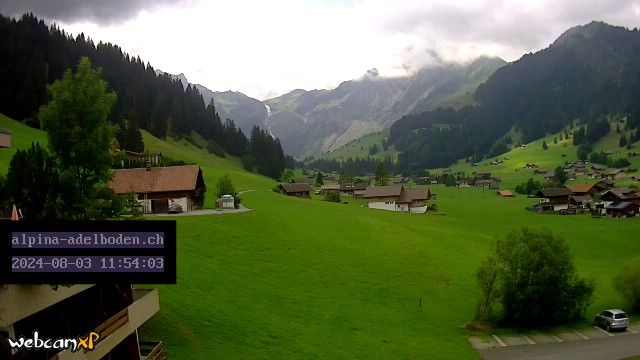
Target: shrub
pixel 332 196
pixel 532 278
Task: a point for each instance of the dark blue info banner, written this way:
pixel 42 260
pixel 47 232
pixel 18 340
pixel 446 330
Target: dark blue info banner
pixel 88 252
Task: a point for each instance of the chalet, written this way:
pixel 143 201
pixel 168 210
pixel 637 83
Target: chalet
pixel 550 176
pixel 491 184
pixel 603 185
pixel 481 176
pixel 462 184
pixel 505 193
pixel 158 187
pixel 349 189
pixel 620 194
pixel 5 138
pixel 616 174
pixel 554 199
pixel 296 189
pixel 622 209
pixel 397 198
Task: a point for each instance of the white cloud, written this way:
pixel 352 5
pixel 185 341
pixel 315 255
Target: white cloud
pixel 264 48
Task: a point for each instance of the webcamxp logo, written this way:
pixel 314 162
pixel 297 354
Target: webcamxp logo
pixel 36 343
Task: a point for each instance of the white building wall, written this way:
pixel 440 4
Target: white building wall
pixel 383 206
pixel 560 207
pixel 403 207
pixel 419 209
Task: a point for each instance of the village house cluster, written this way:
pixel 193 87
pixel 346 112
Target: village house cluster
pixel 601 198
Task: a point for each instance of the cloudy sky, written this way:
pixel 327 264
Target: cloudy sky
pixel 266 48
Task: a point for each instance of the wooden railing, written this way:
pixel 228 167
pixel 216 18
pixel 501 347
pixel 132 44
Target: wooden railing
pixel 151 350
pixel 111 325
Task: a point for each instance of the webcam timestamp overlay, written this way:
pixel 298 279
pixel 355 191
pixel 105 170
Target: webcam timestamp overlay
pixel 88 252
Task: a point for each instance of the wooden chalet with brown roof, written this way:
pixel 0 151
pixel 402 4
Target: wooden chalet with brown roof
pixel 158 187
pixel 619 209
pixel 620 194
pixel 397 198
pixel 554 199
pixel 296 189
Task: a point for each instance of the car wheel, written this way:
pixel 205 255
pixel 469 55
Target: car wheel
pixel 608 328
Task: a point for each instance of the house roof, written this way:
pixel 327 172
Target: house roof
pixel 580 188
pixel 550 174
pixel 622 193
pixel 615 171
pixel 330 187
pixel 581 198
pixel 505 193
pixel 552 192
pixel 157 179
pixel 409 195
pixel 382 191
pixel 619 205
pixel 5 131
pixel 295 187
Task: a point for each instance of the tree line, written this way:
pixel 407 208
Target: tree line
pixel 358 166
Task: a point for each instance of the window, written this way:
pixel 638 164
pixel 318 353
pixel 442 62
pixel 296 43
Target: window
pixel 620 316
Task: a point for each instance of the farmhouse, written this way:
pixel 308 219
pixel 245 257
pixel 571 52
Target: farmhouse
pixel 296 189
pixel 622 209
pixel 158 187
pixel 397 198
pixel 5 138
pixel 603 185
pixel 550 176
pixel 616 174
pixel 620 194
pixel 349 189
pixel 554 199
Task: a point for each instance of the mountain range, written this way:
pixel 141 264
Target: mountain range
pixel 312 122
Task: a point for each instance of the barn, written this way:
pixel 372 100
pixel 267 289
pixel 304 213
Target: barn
pixel 5 138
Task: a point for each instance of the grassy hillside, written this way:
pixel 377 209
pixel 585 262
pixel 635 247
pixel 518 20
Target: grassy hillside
pixel 296 278
pixel 512 173
pixel 21 138
pixel 360 148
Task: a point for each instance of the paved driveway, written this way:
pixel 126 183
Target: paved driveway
pixel 586 343
pixel 616 347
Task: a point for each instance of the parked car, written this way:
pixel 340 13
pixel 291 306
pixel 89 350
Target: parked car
pixel 614 319
pixel 175 209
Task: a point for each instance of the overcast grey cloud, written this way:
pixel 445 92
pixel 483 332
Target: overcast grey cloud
pixel 264 48
pixel 98 11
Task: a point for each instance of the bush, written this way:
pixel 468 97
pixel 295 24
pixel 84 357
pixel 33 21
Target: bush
pixel 332 196
pixel 532 278
pixel 627 283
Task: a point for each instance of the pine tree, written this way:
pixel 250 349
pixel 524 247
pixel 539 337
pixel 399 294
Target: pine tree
pixel 544 145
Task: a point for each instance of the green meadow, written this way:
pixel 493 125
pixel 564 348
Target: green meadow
pixel 297 278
